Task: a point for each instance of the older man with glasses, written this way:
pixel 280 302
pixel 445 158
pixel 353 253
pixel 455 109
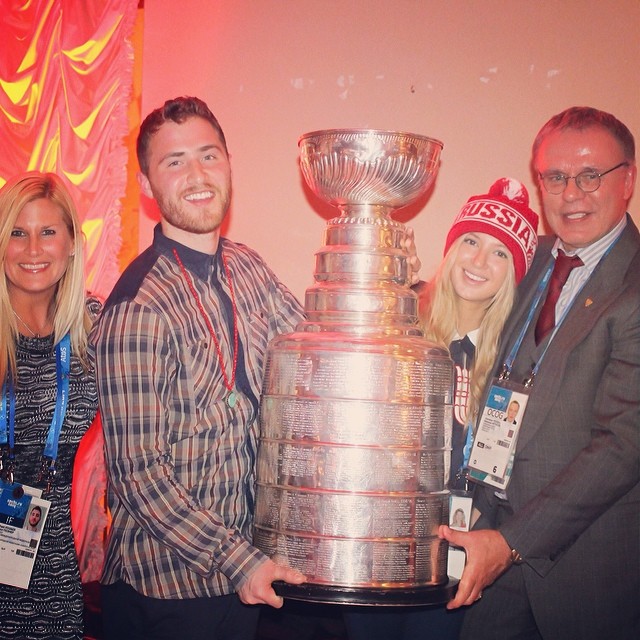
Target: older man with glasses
pixel 555 551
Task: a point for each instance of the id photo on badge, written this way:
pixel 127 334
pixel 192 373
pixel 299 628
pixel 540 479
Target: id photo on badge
pixel 459 512
pixel 35 518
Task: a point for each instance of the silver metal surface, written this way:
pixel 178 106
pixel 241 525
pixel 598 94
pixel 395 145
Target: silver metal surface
pixel 368 167
pixel 356 407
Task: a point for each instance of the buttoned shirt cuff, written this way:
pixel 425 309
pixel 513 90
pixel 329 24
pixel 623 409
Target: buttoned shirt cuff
pixel 239 560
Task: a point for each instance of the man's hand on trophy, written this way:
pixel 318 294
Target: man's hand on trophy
pixel 258 590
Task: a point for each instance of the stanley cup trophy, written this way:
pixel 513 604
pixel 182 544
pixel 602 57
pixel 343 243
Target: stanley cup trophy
pixel 357 405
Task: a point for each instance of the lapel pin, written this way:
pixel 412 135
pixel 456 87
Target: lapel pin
pixel 588 302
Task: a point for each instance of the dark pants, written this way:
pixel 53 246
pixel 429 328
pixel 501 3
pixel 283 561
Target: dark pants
pixel 402 623
pixel 504 613
pixel 129 615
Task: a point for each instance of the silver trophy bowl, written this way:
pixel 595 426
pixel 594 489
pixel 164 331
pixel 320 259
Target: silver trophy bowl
pixel 368 168
pixel 356 409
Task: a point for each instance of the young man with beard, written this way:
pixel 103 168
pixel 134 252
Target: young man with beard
pixel 180 351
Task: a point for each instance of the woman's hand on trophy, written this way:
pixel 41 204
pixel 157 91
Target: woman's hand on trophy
pixel 409 245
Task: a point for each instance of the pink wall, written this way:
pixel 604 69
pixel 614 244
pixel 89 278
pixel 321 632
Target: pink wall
pixel 480 75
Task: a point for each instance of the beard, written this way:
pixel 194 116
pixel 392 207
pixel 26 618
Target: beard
pixel 181 215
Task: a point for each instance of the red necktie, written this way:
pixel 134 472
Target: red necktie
pixel 561 270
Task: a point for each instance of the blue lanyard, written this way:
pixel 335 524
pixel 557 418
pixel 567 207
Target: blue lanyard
pixel 468 443
pixel 508 364
pixel 63 365
pixel 542 285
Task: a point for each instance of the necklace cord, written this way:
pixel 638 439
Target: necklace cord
pixel 229 383
pixel 31 331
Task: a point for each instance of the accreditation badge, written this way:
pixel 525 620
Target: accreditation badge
pixel 494 443
pixel 22 516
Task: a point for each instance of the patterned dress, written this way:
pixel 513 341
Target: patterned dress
pixel 52 606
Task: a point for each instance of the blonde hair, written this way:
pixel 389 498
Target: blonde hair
pixel 439 311
pixel 71 315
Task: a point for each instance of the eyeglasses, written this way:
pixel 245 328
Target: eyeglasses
pixel 587 181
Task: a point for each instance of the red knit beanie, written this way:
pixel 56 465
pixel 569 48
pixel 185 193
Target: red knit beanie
pixel 503 213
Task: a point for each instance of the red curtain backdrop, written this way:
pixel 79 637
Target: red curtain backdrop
pixel 65 87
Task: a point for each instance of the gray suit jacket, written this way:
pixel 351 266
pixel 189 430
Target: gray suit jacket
pixel 574 496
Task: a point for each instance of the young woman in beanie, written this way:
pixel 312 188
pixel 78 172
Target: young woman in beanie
pixel 488 250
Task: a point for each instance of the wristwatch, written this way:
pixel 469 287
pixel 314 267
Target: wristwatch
pixel 516 558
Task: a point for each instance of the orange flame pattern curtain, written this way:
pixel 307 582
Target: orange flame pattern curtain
pixel 65 83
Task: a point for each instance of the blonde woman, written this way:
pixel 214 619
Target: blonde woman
pixel 488 250
pixel 48 391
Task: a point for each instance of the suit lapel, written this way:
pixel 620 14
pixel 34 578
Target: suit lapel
pixel 604 286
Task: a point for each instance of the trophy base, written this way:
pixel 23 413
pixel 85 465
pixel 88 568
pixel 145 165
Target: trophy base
pixel 407 597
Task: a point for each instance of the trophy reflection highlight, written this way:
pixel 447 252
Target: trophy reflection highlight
pixel 356 407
